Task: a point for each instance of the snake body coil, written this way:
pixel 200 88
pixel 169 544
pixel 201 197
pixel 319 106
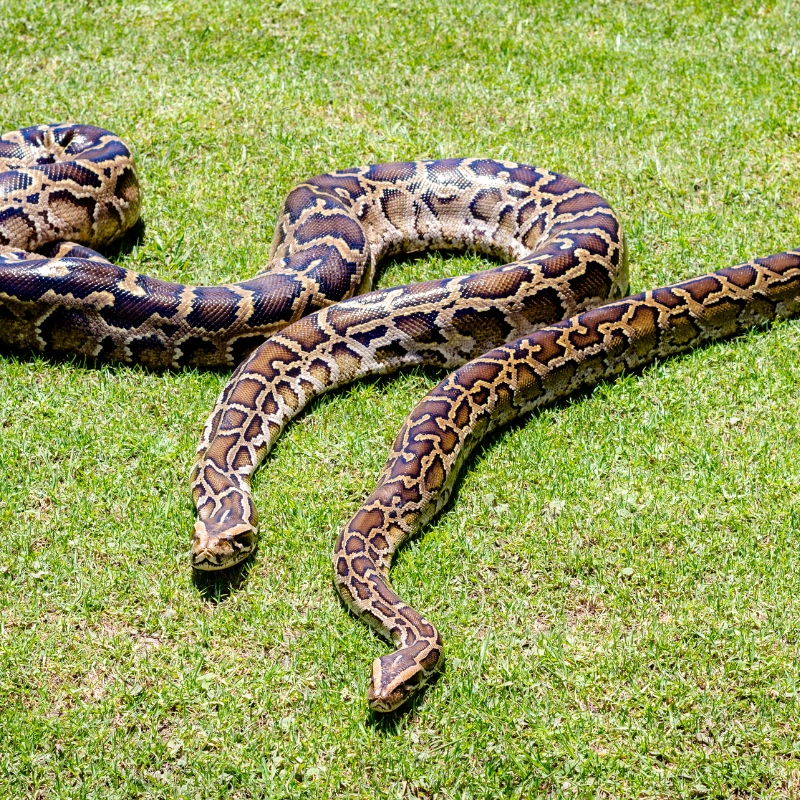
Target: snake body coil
pixel 540 318
pixel 577 261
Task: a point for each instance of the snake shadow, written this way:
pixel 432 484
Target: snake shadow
pixel 125 245
pixel 218 585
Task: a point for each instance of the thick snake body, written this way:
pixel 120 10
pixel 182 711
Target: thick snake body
pixel 531 332
pixel 571 257
pixel 77 184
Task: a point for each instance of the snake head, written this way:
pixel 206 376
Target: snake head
pixel 217 545
pixel 397 677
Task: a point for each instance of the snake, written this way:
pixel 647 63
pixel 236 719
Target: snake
pixel 520 336
pixel 577 264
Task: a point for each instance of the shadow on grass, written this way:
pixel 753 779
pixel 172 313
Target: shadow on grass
pixel 123 246
pixel 217 586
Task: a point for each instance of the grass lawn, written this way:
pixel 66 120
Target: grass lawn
pixel 618 578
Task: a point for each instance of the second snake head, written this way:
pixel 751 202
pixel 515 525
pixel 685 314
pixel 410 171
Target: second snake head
pixel 219 545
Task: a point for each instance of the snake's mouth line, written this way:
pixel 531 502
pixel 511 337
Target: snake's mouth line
pixel 206 563
pixel 208 560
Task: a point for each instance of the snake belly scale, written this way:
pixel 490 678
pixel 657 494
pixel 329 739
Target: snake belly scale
pixel 523 335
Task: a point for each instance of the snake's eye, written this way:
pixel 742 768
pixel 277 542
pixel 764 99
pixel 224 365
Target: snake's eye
pixel 244 540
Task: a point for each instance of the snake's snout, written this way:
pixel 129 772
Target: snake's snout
pixel 221 545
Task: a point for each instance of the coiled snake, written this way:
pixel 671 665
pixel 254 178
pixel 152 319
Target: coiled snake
pixel 527 333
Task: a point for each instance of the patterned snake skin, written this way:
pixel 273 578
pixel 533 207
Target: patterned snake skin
pixel 537 317
pixel 494 389
pixel 447 322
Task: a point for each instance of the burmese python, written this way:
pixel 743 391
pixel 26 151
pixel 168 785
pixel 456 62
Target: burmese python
pixel 333 230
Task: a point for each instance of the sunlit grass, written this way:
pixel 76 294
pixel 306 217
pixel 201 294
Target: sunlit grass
pixel 617 578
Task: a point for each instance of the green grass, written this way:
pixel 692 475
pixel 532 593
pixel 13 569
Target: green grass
pixel 617 579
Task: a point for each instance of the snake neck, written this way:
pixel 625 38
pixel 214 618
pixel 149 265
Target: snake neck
pixel 361 561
